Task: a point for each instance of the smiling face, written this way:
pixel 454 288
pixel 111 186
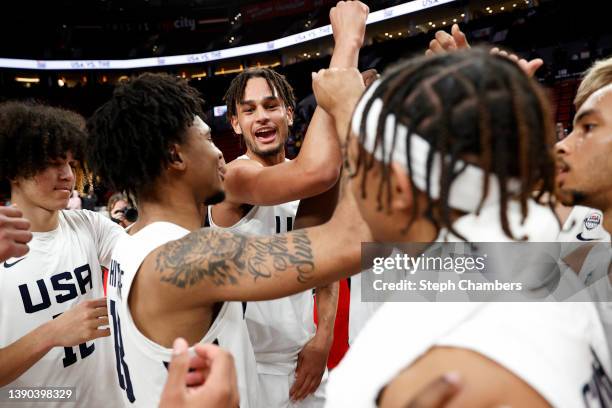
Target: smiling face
pixel 584 157
pixel 262 118
pixel 50 188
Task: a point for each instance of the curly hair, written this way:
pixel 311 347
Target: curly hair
pixel 275 81
pixel 468 103
pixel 131 134
pixel 33 135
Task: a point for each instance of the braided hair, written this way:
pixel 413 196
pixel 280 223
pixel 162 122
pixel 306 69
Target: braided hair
pixel 472 106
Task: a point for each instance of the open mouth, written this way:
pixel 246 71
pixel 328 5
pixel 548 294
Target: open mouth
pixel 266 135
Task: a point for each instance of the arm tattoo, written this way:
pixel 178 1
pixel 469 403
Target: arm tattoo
pixel 222 257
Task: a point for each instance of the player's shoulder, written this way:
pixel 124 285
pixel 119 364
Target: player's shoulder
pixel 91 220
pixel 243 161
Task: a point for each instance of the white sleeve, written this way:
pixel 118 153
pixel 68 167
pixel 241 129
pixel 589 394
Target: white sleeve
pixel 106 235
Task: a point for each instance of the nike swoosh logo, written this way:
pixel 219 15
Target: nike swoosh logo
pixel 581 238
pixel 8 265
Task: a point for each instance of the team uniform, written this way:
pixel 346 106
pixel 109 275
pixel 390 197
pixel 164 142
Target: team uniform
pixel 62 269
pixel 278 328
pixel 559 349
pixel 141 364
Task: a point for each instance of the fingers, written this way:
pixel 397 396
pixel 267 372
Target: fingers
pixel 438 393
pixel 96 303
pixel 19 236
pixel 459 37
pixel 446 41
pixel 194 378
pixel 304 390
pixel 529 67
pixel 11 211
pixel 100 333
pixel 369 76
pixel 533 66
pixel 300 379
pixel 18 250
pixel 102 321
pixel 436 47
pixel 178 368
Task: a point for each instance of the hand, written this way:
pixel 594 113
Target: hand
pixel 311 364
pixel 14 233
pixel 212 384
pixel 348 20
pixel 445 42
pixel 529 67
pixel 338 89
pixel 80 323
pixel 438 393
pixel 369 76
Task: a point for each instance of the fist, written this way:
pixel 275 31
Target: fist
pixel 14 233
pixel 337 88
pixel 348 20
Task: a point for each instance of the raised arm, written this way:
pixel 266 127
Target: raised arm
pixel 317 166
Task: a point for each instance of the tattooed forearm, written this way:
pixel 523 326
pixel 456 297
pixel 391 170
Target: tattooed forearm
pixel 222 257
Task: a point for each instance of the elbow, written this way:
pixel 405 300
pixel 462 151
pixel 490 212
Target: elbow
pixel 324 179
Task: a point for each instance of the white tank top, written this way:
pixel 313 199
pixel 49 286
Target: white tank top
pixel 141 363
pixel 555 347
pixel 61 270
pixel 278 328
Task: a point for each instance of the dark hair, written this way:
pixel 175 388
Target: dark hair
pixel 275 81
pixel 469 103
pixel 131 134
pixel 33 135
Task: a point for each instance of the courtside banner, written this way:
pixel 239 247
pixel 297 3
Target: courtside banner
pixel 489 272
pixel 259 48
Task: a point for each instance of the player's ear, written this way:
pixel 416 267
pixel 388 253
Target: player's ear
pixel 176 155
pixel 290 116
pixel 402 198
pixel 236 125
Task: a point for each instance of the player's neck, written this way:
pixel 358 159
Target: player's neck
pixel 41 219
pixel 607 219
pixel 267 160
pixel 170 205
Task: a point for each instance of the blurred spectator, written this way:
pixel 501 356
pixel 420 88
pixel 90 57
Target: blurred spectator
pixel 89 201
pixel 120 210
pixel 75 201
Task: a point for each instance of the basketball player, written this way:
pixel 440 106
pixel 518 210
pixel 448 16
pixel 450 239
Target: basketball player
pixel 583 223
pixel 533 355
pixel 53 315
pixel 580 224
pixel 263 190
pixel 170 278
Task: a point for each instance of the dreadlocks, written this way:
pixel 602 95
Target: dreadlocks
pixel 34 135
pixel 145 115
pixel 276 82
pixel 471 106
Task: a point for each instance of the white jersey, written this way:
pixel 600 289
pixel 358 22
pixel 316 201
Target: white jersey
pixel 548 345
pixel 278 328
pixel 141 363
pixel 554 347
pixel 62 269
pixel 584 225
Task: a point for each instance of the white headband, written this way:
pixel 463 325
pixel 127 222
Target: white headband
pixel 466 190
